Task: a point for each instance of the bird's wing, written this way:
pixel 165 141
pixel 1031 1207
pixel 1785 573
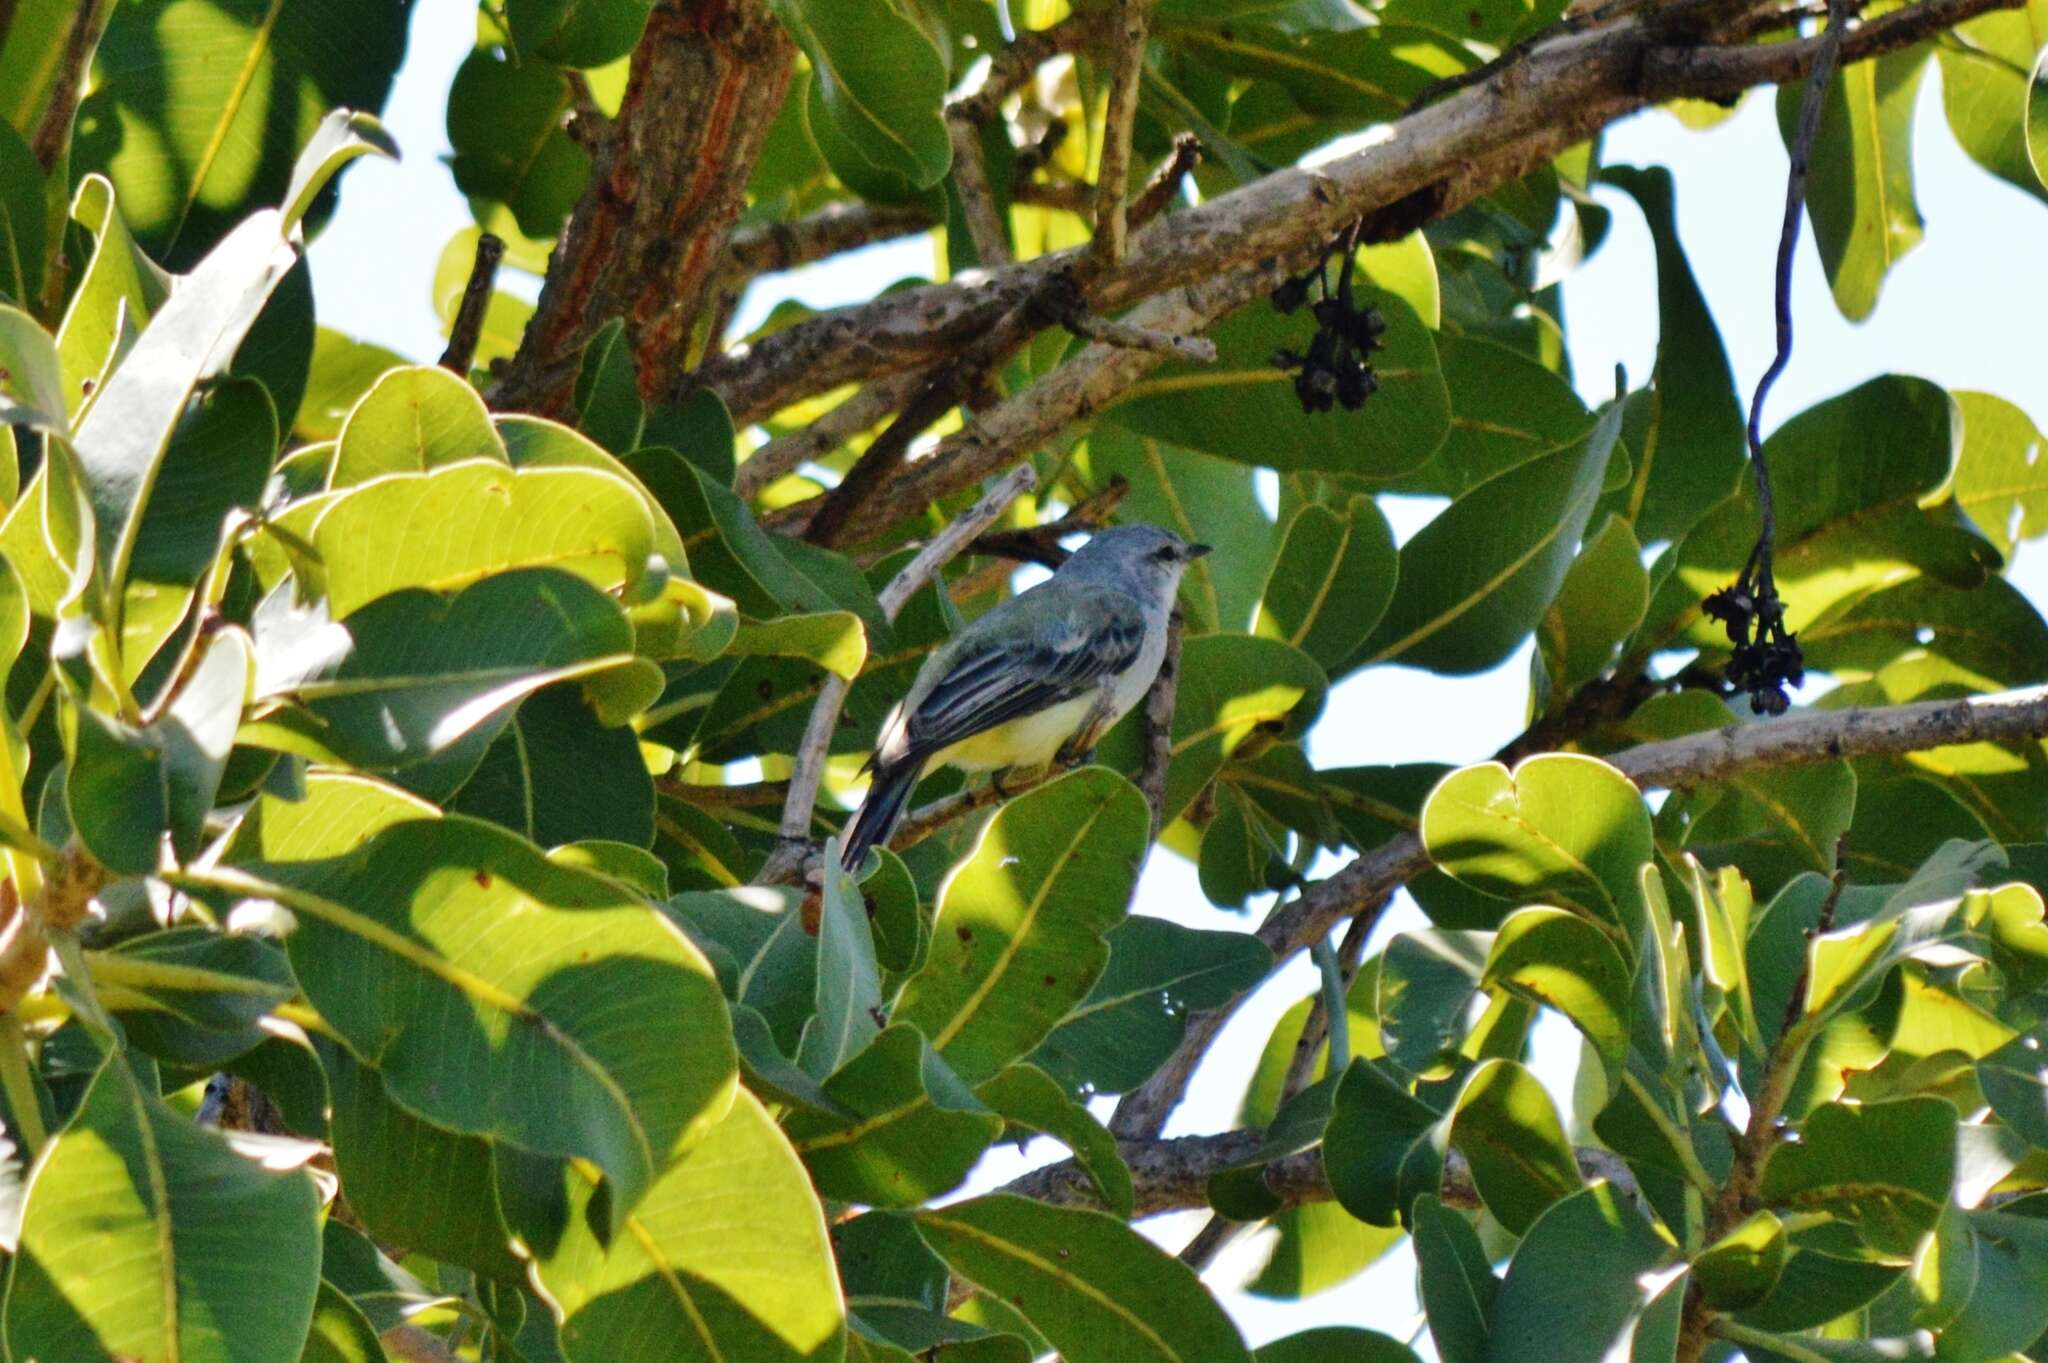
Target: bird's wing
pixel 1070 648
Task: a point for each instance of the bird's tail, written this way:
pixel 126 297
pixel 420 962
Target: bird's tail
pixel 880 812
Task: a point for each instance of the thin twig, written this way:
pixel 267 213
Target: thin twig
pixel 1208 1242
pixel 857 413
pixel 1010 68
pixel 1164 186
pixel 590 127
pixel 794 847
pixel 1198 349
pixel 53 130
pixel 985 225
pixel 468 327
pixel 1159 704
pixel 1111 225
pixel 835 512
pixel 1315 1028
pixel 1041 543
pixel 764 248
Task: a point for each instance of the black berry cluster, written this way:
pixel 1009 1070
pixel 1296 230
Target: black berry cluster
pixel 1766 657
pixel 1336 366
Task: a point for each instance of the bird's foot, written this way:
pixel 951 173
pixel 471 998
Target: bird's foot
pixel 1071 756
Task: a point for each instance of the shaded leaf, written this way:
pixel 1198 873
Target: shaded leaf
pixel 1331 582
pixel 880 78
pixel 1885 1168
pixel 1576 1287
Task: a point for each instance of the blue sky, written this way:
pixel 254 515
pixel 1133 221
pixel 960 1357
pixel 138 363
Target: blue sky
pixel 1964 309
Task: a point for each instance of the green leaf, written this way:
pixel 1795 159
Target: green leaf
pixel 1478 578
pixel 1059 1266
pixel 1243 407
pixel 1381 1148
pixel 342 371
pixel 1336 1344
pixel 191 995
pixel 193 138
pixel 481 978
pixel 608 404
pixel 880 78
pixel 1943 1277
pixel 2000 479
pixel 1366 74
pixel 425 671
pixel 834 640
pixel 2037 120
pixel 139 1224
pixel 119 291
pixel 1509 1130
pixel 577 32
pixel 1577 1285
pixel 32 393
pixel 115 792
pixel 559 774
pixel 343 135
pixel 1859 192
pixel 1019 936
pixel 1816 1288
pixel 1235 693
pixel 198 731
pixel 22 218
pixel 1316 1246
pixel 1985 90
pixel 1332 581
pixel 1134 1017
pixel 1203 499
pixel 2006 1312
pixel 410 421
pixel 849 982
pixel 122 437
pixel 341 1333
pixel 1561 961
pixel 413 1183
pixel 376 538
pixel 535 442
pixel 1567 829
pixel 1742 1267
pixel 915 1131
pixel 1455 1280
pixel 1886 1168
pixel 1599 606
pixel 1686 432
pixel 1852 473
pixel 31 60
pixel 1024 1095
pixel 762 1287
pixel 1427 980
pixel 2015 1082
pixel 1506 409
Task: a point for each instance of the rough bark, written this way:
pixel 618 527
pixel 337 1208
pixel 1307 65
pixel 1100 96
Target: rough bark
pixel 648 238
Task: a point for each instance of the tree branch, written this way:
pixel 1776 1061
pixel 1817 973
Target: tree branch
pixel 767 247
pixel 1471 143
pixel 978 206
pixel 1114 169
pixel 1159 705
pixel 1166 181
pixel 52 133
pixel 1673 764
pixel 794 847
pixel 648 237
pixel 1173 1175
pixel 468 328
pixel 862 410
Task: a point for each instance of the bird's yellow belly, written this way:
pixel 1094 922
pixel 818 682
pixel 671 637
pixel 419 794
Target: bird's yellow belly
pixel 1024 742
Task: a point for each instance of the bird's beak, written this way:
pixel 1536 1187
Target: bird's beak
pixel 1195 551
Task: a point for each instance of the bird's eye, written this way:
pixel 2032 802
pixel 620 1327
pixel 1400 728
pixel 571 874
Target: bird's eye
pixel 1165 554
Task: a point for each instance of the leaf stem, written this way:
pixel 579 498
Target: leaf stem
pixel 19 1085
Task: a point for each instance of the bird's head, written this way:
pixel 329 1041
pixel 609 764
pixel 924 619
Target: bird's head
pixel 1142 559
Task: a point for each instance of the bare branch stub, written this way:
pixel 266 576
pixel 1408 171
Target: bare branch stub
pixel 1159 707
pixel 647 240
pixel 1165 184
pixel 468 327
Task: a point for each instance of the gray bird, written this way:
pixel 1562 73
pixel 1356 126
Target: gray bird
pixel 1043 675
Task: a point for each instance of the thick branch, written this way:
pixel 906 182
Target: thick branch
pixel 1674 764
pixel 1471 143
pixel 647 240
pixel 1173 1175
